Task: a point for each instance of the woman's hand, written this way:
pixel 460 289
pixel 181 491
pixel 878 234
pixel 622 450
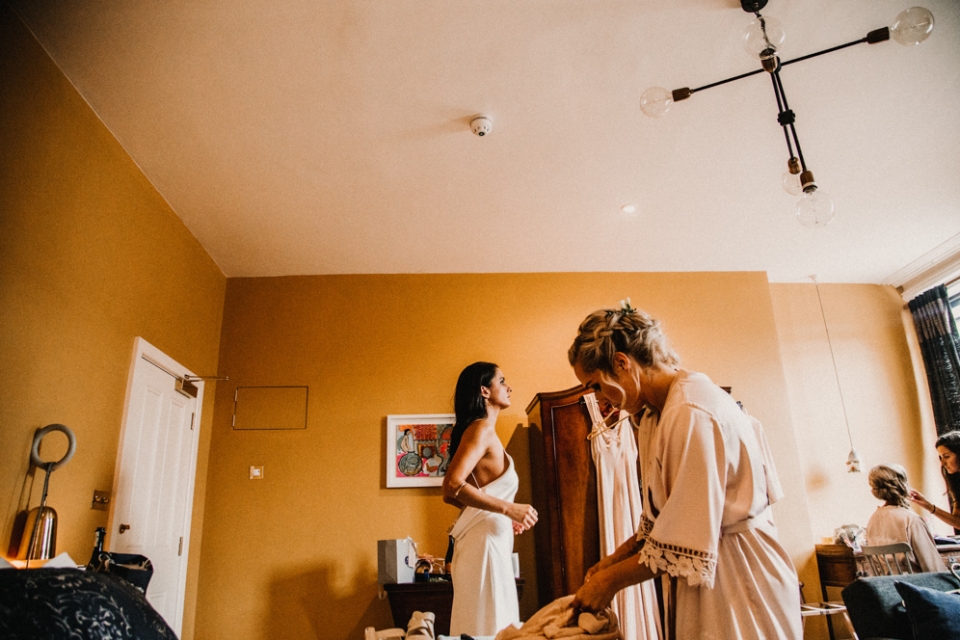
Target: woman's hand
pixel 917 498
pixel 596 592
pixel 523 514
pixel 600 566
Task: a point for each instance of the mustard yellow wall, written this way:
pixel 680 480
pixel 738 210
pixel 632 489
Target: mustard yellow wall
pixel 90 257
pixel 296 552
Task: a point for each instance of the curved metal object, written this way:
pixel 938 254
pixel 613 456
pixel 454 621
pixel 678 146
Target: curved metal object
pixel 40 434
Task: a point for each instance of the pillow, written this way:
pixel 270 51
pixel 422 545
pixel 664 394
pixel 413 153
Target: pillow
pixel 932 613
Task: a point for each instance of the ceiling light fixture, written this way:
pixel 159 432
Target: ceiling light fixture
pixel 762 39
pixel 853 458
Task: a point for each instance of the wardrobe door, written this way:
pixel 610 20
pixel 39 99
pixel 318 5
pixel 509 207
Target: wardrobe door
pixel 564 492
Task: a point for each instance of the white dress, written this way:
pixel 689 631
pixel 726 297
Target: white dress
pixel 618 491
pixel 708 481
pixel 891 524
pixel 484 588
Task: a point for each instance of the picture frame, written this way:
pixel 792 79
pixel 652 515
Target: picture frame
pixel 417 446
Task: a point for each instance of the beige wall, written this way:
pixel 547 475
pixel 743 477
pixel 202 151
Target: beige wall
pixel 90 257
pixel 879 391
pixel 301 543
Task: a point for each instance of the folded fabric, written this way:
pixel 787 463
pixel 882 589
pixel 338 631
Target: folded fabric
pixel 421 625
pixel 559 621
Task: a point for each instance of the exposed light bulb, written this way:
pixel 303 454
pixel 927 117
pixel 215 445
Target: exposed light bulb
pixel 853 462
pixel 629 209
pixel 815 208
pixel 763 37
pixel 791 183
pixel 655 102
pixel 913 26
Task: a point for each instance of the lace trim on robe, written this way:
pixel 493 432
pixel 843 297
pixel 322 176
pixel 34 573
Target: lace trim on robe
pixel 698 567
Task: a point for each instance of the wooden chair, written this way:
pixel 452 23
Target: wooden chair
pixel 889 559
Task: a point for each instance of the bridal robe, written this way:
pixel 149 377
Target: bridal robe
pixel 708 482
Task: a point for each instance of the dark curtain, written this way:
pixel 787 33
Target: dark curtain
pixel 939 344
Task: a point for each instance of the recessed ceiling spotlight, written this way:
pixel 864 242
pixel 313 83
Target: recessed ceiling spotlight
pixel 630 208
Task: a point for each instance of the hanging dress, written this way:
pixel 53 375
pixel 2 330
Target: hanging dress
pixel 484 588
pixel 614 452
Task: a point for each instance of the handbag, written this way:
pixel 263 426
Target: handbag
pixel 134 568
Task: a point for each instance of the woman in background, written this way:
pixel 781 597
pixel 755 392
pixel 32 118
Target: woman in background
pixel 708 482
pixel 482 480
pixel 948 448
pixel 894 522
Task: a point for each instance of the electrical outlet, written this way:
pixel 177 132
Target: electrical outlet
pixel 256 473
pixel 101 500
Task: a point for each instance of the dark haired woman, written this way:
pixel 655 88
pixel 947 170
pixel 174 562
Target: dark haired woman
pixel 482 480
pixel 948 448
pixel 894 522
pixel 708 482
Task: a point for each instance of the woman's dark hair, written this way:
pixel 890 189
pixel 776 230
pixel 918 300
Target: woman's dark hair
pixel 951 440
pixel 468 403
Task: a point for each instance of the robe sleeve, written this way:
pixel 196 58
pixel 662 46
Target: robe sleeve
pixel 774 490
pixel 684 538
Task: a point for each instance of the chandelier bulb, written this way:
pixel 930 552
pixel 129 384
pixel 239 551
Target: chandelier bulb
pixel 912 26
pixel 655 102
pixel 815 208
pixel 763 38
pixel 791 183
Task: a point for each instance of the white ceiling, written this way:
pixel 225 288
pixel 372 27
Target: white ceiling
pixel 319 137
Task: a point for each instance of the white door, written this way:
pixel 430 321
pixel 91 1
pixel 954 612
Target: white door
pixel 153 486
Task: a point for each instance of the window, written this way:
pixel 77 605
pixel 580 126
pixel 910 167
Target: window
pixel 953 295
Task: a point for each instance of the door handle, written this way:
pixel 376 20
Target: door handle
pixel 124 527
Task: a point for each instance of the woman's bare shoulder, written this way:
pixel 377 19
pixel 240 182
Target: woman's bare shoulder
pixel 481 433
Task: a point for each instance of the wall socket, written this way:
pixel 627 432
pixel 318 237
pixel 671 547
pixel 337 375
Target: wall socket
pixel 256 473
pixel 101 500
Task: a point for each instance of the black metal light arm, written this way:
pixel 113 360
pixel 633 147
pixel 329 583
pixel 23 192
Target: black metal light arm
pixel 875 36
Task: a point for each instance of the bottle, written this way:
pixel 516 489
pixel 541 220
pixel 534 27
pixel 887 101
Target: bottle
pixel 98 536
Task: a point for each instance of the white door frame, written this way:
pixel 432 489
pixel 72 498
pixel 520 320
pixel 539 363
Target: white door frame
pixel 145 350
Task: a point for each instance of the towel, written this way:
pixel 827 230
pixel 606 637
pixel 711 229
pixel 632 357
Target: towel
pixel 558 620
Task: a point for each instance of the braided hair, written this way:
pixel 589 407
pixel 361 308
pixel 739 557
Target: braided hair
pixel 889 481
pixel 627 330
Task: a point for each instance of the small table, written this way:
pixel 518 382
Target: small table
pixel 405 598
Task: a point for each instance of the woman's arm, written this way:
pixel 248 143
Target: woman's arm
pixel 629 548
pixel 952 518
pixel 478 439
pixel 597 592
pixel 469 453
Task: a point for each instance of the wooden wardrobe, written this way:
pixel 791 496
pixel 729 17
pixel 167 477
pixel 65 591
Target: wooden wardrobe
pixel 564 492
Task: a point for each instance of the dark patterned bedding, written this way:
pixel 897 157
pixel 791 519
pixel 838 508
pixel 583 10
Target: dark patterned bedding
pixel 68 604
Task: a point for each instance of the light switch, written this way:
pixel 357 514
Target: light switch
pixel 256 473
pixel 100 500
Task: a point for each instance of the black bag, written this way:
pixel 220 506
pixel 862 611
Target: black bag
pixel 134 568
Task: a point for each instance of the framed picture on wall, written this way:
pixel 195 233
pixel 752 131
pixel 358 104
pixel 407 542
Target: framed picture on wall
pixel 418 449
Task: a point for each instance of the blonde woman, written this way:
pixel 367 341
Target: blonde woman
pixel 894 522
pixel 708 483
